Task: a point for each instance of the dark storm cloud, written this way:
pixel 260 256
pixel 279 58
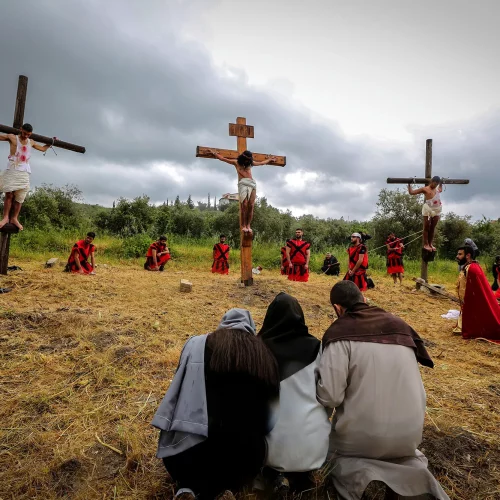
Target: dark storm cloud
pixel 122 80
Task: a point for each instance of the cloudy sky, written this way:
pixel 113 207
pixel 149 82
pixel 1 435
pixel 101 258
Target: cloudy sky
pixel 347 90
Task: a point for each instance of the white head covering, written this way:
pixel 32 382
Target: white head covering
pixel 356 234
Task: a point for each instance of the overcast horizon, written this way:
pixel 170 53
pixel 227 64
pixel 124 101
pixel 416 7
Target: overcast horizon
pixel 348 92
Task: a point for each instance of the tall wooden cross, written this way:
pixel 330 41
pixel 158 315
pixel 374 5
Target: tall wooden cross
pixel 8 229
pixel 241 130
pixel 426 255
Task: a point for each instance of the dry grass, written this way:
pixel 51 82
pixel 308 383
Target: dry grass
pixel 86 360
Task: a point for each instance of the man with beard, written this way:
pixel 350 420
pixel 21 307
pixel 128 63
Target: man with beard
pixel 298 254
pixel 395 258
pixel 358 262
pixel 369 377
pixel 218 410
pixel 480 312
pixel 221 256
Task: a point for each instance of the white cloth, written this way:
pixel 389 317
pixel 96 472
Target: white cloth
pixel 245 188
pixel 379 401
pixel 20 160
pixel 451 314
pixel 299 439
pixel 434 211
pixel 15 181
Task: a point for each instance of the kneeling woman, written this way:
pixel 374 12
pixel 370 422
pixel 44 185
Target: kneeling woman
pixel 217 410
pixel 299 439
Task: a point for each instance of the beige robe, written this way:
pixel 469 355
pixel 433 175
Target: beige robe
pixel 461 284
pixel 379 401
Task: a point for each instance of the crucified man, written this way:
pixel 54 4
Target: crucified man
pixel 15 181
pixel 246 184
pixel 431 209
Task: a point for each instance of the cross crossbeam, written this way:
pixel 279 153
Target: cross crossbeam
pixel 242 131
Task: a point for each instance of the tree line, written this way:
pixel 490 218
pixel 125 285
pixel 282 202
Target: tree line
pixel 50 208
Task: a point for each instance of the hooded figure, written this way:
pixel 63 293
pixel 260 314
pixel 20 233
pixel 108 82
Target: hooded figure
pixel 299 440
pixel 217 410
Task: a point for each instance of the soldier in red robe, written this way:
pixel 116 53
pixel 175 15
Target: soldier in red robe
pixel 358 262
pixel 158 255
pixel 395 258
pixel 298 254
pixel 82 251
pixel 221 256
pixel 480 311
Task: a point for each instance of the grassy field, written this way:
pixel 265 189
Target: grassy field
pixel 85 361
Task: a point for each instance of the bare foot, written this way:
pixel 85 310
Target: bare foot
pixel 4 221
pixel 433 248
pixel 17 223
pixel 244 229
pixel 249 229
pixel 428 247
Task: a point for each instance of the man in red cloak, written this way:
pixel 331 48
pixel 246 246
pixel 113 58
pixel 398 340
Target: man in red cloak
pixel 395 258
pixel 81 253
pixel 158 255
pixel 298 253
pixel 480 311
pixel 221 256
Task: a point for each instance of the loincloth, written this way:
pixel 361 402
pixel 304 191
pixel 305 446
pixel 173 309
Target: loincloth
pixel 245 188
pixel 434 211
pixel 15 181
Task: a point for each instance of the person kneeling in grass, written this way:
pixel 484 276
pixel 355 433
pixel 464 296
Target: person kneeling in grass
pixel 78 261
pixel 158 255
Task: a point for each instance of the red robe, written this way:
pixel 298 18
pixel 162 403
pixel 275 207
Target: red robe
pixel 394 257
pixel 221 256
pixel 161 260
pixel 359 278
pixel 84 252
pixel 284 261
pixel 298 249
pixel 480 309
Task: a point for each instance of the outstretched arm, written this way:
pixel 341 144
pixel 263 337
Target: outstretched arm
pixel 415 191
pixel 41 148
pixel 265 162
pixel 222 158
pixel 7 137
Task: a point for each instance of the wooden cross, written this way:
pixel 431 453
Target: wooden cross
pixel 426 255
pixel 241 130
pixel 8 229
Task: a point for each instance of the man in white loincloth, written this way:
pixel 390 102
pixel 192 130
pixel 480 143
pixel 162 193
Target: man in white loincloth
pixel 15 181
pixel 246 184
pixel 431 209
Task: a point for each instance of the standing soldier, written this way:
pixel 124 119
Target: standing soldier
pixel 298 254
pixel 358 262
pixel 221 256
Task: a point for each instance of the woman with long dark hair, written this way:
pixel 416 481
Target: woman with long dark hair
pixel 217 410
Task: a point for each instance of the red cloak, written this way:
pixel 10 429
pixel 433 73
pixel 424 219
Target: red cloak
pixel 480 310
pixel 84 252
pixel 298 258
pixel 221 255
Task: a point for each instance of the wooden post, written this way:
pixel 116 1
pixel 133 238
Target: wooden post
pixel 245 238
pixel 426 255
pixel 22 91
pixel 428 175
pixel 241 130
